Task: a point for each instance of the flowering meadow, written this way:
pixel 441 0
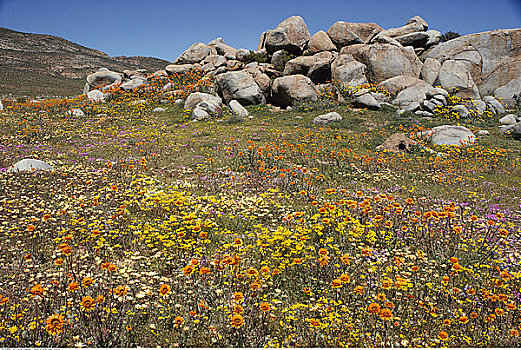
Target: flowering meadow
pixel 153 230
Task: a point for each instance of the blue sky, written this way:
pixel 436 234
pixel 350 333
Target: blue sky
pixel 164 29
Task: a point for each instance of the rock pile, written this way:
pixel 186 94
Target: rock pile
pixel 409 60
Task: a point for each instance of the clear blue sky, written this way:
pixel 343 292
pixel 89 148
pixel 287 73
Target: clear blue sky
pixel 164 29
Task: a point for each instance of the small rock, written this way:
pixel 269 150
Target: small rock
pixel 158 110
pixel 96 96
pixel 483 132
pixel 512 130
pixel 495 104
pixel 237 109
pixel 199 114
pixel 461 110
pixel 440 98
pixel 365 101
pixel 509 119
pixel 397 143
pixel 213 109
pixel 424 114
pixel 76 112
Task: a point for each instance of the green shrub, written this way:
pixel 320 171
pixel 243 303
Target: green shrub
pixel 256 57
pixel 283 59
pixel 449 36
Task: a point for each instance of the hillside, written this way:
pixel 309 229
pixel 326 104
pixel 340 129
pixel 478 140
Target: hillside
pixel 37 64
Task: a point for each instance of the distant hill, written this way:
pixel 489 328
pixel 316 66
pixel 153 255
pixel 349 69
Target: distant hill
pixel 46 65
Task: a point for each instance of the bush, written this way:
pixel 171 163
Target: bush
pixel 256 57
pixel 283 59
pixel 449 36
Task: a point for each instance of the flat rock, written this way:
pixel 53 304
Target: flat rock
pixel 29 164
pixel 180 68
pixel 327 118
pixel 365 101
pixel 450 135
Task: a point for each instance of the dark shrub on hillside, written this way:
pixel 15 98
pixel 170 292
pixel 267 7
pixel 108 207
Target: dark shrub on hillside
pixel 449 36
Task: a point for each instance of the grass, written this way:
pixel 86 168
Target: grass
pixel 154 230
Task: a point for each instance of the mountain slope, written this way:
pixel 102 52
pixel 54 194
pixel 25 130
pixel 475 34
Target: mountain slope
pixel 38 64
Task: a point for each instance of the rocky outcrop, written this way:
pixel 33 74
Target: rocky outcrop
pixel 492 58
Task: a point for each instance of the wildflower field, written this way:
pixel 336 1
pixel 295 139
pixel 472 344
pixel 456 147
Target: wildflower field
pixel 153 230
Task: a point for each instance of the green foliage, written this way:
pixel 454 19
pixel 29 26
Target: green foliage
pixel 449 36
pixel 256 57
pixel 283 59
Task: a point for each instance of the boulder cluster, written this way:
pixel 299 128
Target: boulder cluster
pixel 291 66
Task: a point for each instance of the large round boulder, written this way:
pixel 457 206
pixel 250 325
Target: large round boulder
pixel 240 86
pixel 291 35
pixel 320 42
pixel 292 89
